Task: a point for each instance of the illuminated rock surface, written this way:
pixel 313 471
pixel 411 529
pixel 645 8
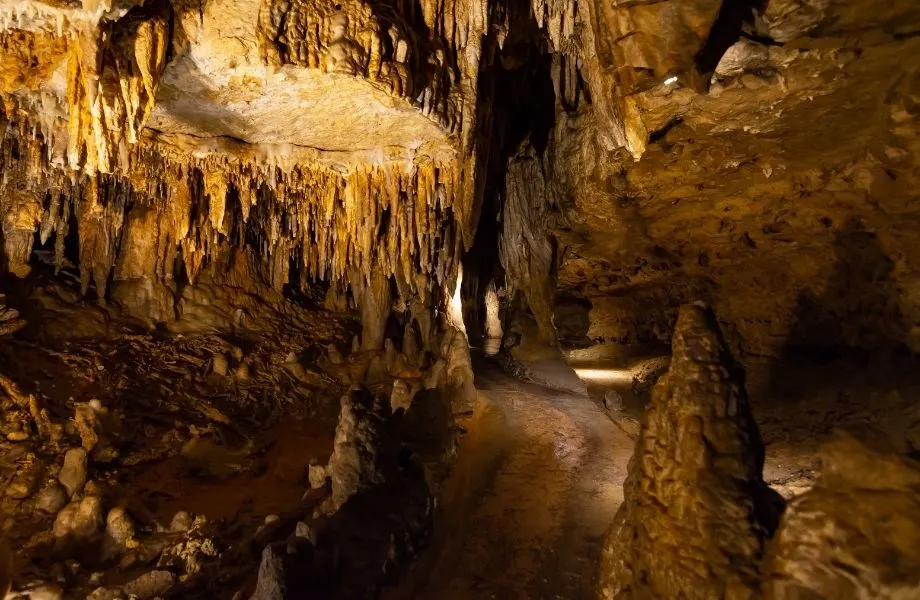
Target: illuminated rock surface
pixel 826 548
pixel 221 217
pixel 696 511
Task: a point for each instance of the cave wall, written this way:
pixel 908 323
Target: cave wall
pixel 776 177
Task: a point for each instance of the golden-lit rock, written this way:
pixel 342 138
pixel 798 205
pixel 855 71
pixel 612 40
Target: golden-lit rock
pixel 855 533
pixel 696 511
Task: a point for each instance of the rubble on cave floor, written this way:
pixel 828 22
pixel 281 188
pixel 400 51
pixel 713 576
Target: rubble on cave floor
pixel 160 464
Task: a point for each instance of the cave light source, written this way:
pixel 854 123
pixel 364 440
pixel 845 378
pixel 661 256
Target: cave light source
pixel 671 80
pixel 605 376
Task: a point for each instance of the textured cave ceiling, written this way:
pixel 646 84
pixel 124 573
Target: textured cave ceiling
pixel 634 155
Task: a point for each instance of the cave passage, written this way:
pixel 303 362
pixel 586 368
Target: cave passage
pixel 534 487
pixel 466 299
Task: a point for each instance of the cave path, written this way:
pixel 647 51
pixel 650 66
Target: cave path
pixel 535 485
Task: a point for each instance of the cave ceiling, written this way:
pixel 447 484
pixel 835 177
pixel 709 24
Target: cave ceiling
pixel 706 149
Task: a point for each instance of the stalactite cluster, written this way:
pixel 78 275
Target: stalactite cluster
pixel 112 77
pixel 385 43
pixel 395 219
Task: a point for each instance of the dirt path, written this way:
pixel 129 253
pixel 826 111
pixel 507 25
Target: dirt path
pixel 536 483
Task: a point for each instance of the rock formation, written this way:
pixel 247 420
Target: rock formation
pixel 854 534
pixel 696 511
pixel 204 203
pixel 359 455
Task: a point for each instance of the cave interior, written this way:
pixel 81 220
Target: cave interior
pixel 459 299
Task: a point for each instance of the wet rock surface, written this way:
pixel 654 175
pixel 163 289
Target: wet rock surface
pixel 696 511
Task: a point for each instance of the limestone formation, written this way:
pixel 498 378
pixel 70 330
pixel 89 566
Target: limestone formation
pixel 203 202
pixel 153 584
pixel 51 499
pixel 357 461
pixel 854 534
pixel 696 511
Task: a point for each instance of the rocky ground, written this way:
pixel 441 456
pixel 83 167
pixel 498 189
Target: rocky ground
pixel 161 464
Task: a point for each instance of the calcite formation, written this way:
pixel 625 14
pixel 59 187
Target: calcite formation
pixel 216 165
pixel 696 511
pixel 853 535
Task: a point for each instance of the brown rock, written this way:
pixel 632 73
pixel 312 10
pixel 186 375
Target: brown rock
pixel 51 499
pixel 317 476
pixel 696 510
pixel 79 520
pixel 400 396
pixel 181 521
pixel 151 585
pixel 26 480
pixel 354 464
pixel 119 532
pixel 856 533
pixel 86 418
pixel 73 473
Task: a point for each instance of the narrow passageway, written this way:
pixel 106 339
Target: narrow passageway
pixel 536 483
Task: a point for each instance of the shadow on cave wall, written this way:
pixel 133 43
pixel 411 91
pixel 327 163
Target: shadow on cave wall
pixel 852 325
pixel 858 313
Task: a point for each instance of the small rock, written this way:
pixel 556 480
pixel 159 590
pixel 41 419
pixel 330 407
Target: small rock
pixel 103 593
pixel 17 436
pixel 401 396
pixel 119 525
pixel 26 481
pixel 181 521
pixel 269 519
pixel 151 585
pixel 302 530
pixel 119 532
pixel 79 520
pixel 72 565
pixel 317 476
pixel 89 427
pixel 73 473
pixel 613 401
pixel 51 499
pixel 220 365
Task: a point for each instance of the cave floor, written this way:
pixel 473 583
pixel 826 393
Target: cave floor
pixel 537 481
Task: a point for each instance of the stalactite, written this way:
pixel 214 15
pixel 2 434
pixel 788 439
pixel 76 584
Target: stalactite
pixel 112 77
pixel 392 220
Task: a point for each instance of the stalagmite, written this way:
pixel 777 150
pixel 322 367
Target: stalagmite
pixel 696 511
pixel 233 229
